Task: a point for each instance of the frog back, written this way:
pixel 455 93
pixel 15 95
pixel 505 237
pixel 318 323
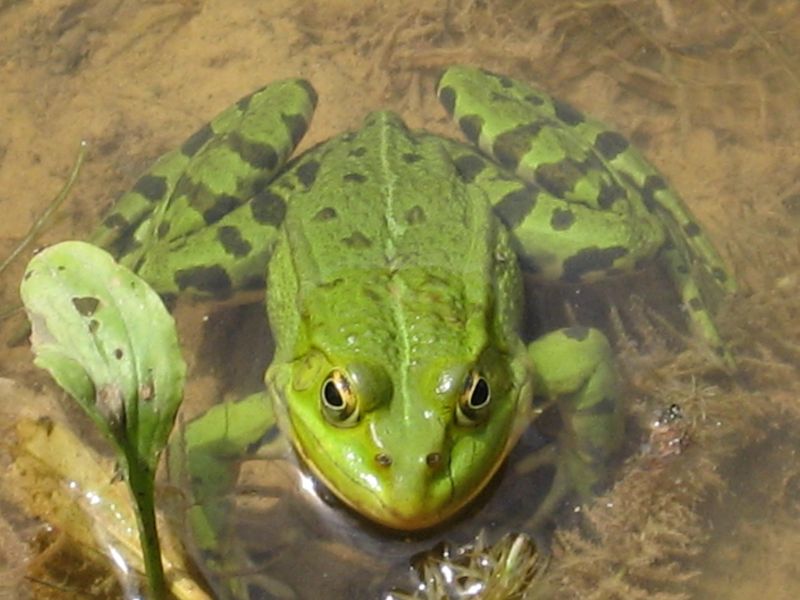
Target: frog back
pixel 381 230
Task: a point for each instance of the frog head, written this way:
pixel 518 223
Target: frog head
pixel 405 449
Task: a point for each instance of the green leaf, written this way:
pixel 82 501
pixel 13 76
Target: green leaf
pixel 107 339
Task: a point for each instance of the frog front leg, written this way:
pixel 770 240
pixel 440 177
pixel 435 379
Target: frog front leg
pixel 204 458
pixel 574 372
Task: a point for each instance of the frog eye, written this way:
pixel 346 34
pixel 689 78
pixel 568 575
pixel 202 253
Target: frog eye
pixel 473 404
pixel 338 401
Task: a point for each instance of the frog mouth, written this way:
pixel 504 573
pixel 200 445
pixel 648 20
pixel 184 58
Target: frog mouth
pixel 393 511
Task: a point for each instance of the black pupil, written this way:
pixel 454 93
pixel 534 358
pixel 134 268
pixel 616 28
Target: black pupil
pixel 480 393
pixel 332 396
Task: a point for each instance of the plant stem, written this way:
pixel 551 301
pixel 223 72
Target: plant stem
pixel 141 481
pixel 54 205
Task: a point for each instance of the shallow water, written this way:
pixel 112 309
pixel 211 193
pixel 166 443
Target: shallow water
pixel 707 90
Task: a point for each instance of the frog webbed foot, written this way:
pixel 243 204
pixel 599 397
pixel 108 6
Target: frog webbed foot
pixel 575 371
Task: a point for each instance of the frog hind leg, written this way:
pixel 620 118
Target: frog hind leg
pixel 204 459
pixel 591 206
pixel 574 372
pixel 222 168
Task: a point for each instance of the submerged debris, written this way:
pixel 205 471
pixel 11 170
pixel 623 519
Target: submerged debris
pixel 508 569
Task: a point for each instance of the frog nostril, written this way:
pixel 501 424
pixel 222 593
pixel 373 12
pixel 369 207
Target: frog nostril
pixel 383 459
pixel 434 459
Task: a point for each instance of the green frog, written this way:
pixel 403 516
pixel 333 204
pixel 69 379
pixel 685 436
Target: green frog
pixel 392 262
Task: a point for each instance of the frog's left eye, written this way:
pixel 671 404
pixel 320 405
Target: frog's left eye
pixel 338 401
pixel 473 404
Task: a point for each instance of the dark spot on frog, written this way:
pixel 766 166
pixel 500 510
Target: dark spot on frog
pixel 354 177
pixel 505 81
pixel 163 230
pixel 696 304
pixel 447 97
pixel 197 140
pixel 469 167
pixel 269 436
pixel 118 353
pixel 592 162
pixel 86 305
pixel 358 152
pixel 212 280
pixel 692 229
pixel 559 178
pixel 257 154
pixel 116 221
pixel 509 147
pixel 576 333
pixel 471 126
pixel 652 185
pixel 357 240
pixel 610 144
pixel 514 207
pixel 232 241
pixel 94 325
pixel 186 186
pixel 152 187
pixel 534 99
pixel 297 126
pixel 591 260
pixel 307 173
pixel 415 215
pixel 567 114
pixel 609 193
pixel 383 459
pixel 268 208
pixel 411 157
pixel 325 214
pixel 223 204
pixel 562 219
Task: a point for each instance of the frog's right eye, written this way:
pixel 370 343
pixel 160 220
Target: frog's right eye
pixel 338 400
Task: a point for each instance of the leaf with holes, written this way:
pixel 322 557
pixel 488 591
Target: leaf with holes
pixel 107 339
